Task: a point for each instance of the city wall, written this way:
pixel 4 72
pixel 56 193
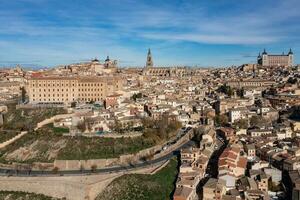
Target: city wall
pixel 52 119
pixel 8 142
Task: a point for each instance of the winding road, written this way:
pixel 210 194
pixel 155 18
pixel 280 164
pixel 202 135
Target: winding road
pixel 28 173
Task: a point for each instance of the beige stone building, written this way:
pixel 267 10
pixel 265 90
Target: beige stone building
pixel 69 89
pixel 266 60
pixel 213 189
pixel 250 83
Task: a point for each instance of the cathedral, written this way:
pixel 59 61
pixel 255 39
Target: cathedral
pixel 150 70
pixel 149 63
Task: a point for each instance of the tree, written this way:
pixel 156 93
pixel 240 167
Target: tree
pixel 258 121
pixel 242 123
pixel 81 126
pixel 240 92
pixel 55 170
pixel 160 130
pixel 221 120
pixel 73 104
pixel 226 90
pixel 295 113
pixel 94 168
pixel 137 96
pixel 23 94
pixel 292 80
pixel 258 103
pixel 117 126
pixel 272 91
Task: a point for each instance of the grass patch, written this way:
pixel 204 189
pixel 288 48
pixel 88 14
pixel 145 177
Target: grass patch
pixel 57 130
pixel 83 148
pixel 143 187
pixel 12 195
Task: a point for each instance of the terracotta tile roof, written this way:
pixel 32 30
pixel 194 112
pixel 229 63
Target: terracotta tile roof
pixel 242 163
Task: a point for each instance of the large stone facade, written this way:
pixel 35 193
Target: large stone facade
pixel 70 89
pixel 250 83
pixel 267 60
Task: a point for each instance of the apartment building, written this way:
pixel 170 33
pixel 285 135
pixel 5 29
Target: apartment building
pixel 69 89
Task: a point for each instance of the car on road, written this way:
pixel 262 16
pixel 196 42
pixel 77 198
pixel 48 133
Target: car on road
pixel 207 175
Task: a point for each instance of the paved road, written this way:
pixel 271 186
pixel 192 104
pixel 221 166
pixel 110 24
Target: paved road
pixel 24 173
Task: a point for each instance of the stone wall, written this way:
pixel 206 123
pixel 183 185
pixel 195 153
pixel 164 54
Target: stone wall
pixel 123 159
pixel 84 164
pixel 8 142
pixel 52 119
pixel 73 187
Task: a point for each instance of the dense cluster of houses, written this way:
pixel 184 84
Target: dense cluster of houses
pixel 193 166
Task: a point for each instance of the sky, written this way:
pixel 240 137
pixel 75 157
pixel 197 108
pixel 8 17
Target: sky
pixel 179 32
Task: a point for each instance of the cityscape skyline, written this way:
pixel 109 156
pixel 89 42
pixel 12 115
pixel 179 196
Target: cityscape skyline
pixel 149 99
pixel 178 32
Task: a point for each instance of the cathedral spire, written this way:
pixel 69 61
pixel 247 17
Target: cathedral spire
pixel 149 62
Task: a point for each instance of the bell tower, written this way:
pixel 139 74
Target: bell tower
pixel 149 62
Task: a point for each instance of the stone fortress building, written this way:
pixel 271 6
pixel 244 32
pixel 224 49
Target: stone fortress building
pixel 272 60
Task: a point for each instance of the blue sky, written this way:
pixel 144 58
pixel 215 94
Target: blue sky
pixel 179 32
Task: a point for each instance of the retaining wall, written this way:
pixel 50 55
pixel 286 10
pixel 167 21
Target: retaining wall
pixel 84 164
pixel 8 142
pixel 52 119
pixel 75 187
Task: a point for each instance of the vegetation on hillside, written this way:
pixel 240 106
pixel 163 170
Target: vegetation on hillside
pixel 46 144
pixel 158 186
pixel 83 148
pixel 6 135
pixel 159 131
pixel 26 119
